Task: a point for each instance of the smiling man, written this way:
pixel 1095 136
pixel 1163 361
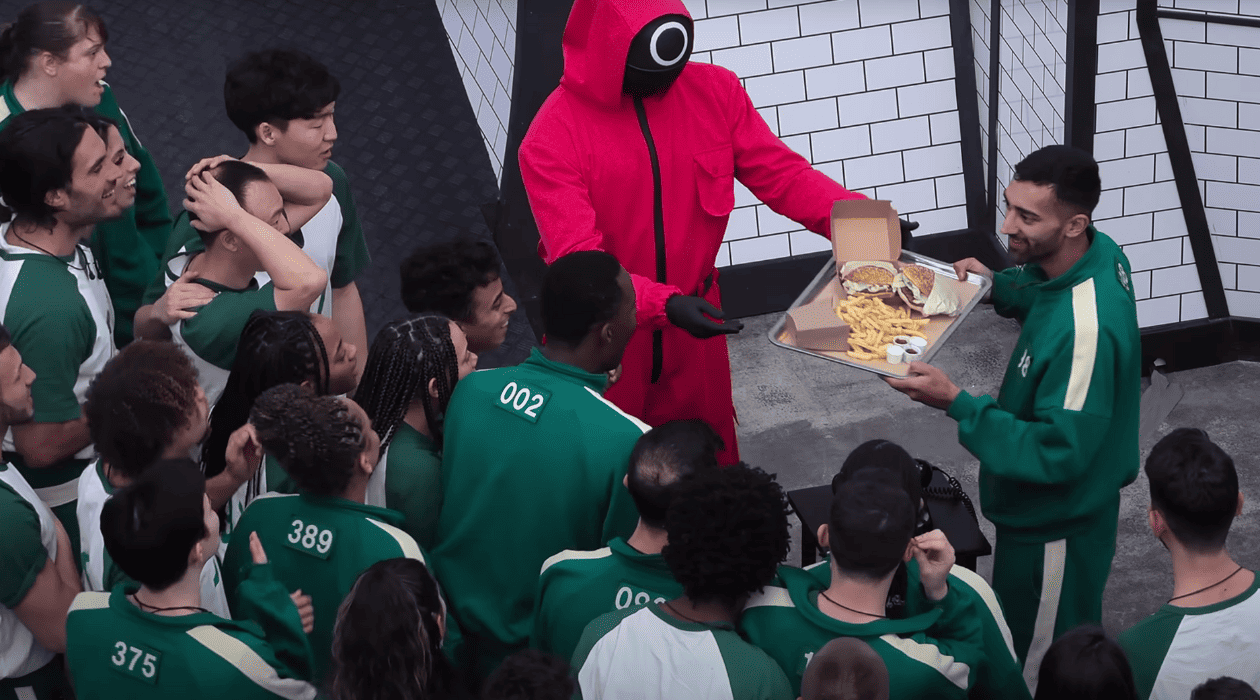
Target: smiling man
pixel 1061 439
pixel 62 171
pixel 460 280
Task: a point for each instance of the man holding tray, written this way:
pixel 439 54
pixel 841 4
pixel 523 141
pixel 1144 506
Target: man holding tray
pixel 636 153
pixel 1061 439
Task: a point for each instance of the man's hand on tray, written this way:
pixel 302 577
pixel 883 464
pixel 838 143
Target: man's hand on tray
pixel 927 385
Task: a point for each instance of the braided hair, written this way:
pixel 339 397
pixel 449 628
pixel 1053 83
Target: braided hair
pixel 404 357
pixel 315 438
pixel 276 347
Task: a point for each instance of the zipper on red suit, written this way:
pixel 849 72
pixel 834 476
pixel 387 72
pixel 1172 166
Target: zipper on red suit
pixel 658 223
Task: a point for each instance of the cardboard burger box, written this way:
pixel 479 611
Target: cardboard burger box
pixel 861 229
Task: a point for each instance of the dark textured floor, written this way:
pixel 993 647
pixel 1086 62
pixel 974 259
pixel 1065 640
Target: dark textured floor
pixel 408 138
pixel 800 416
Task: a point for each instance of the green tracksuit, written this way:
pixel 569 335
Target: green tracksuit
pixel 116 651
pixel 577 587
pixel 532 465
pixel 934 654
pixel 129 247
pixel 999 676
pixel 408 479
pixel 319 545
pixel 1176 649
pixel 28 671
pixel 58 311
pixel 333 238
pixel 644 652
pixel 1059 442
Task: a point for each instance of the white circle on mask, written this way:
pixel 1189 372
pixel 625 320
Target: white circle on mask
pixel 656 35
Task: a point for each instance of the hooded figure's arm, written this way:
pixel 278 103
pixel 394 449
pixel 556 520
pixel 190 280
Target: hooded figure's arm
pixel 558 196
pixel 776 174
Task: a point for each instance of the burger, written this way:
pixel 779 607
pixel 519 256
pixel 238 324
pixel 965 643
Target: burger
pixel 868 277
pixel 922 289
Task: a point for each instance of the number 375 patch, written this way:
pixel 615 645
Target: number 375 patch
pixel 523 401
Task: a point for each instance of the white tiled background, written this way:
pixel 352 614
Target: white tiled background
pixel 483 38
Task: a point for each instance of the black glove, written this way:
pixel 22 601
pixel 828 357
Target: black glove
pixel 906 228
pixel 688 313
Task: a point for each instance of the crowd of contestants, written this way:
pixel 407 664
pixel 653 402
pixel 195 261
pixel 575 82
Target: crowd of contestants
pixel 214 486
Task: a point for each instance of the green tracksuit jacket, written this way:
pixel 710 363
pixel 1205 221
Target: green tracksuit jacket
pixel 118 652
pixel 931 655
pixel 316 544
pixel 532 464
pixel 128 248
pixel 577 587
pixel 1061 439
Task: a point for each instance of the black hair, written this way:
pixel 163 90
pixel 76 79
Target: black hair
pixel 37 157
pixel 236 176
pixel 872 521
pixel 276 86
pixel 53 26
pixel 1224 688
pixel 664 455
pixel 728 530
pixel 276 347
pixel 405 355
pixel 886 455
pixel 1085 664
pixel 150 525
pixel 139 400
pixel 846 668
pixel 530 674
pixel 579 291
pixel 441 278
pixel 1072 172
pixel 5 338
pixel 1195 487
pixel 387 643
pixel 316 439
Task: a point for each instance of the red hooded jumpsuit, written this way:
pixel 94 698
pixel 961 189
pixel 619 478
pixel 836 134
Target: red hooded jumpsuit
pixel 588 172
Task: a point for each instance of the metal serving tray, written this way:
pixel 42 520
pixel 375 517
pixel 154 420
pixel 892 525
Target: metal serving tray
pixel 779 336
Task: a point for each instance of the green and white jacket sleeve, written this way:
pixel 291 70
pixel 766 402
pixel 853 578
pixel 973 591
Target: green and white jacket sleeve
pixel 262 599
pixel 1013 292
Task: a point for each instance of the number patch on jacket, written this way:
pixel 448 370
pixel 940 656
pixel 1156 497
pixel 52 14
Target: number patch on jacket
pixel 309 538
pixel 137 662
pixel 523 401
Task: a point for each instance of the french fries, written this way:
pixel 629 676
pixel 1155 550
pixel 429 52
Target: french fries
pixel 874 324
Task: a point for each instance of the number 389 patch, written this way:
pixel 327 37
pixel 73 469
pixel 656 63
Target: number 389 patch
pixel 309 538
pixel 523 401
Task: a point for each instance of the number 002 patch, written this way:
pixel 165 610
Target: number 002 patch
pixel 523 401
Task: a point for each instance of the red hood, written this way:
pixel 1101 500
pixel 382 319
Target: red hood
pixel 597 41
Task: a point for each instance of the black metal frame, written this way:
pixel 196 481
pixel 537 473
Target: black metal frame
pixel 1082 57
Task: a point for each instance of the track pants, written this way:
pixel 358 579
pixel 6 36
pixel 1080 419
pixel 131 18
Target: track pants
pixel 1048 588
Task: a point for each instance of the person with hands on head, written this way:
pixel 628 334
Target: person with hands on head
pixel 935 653
pixel 155 639
pixel 62 171
pixel 53 55
pixel 38 578
pixel 1061 439
pixel 244 225
pixel 636 153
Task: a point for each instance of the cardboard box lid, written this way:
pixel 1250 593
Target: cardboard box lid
pixel 816 326
pixel 865 229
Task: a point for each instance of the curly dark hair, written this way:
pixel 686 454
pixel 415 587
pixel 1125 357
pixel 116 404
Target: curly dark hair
pixel 314 438
pixel 387 643
pixel 530 674
pixel 441 278
pixel 404 357
pixel 728 531
pixel 141 398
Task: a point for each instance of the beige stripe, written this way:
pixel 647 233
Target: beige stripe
pixel 955 671
pixel 25 693
pixel 771 596
pixel 59 495
pixel 250 664
pixel 571 554
pixel 90 601
pixel 637 423
pixel 974 581
pixel 1052 570
pixel 1084 345
pixel 410 549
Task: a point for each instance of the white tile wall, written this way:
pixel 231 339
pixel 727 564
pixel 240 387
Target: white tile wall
pixel 863 88
pixel 482 34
